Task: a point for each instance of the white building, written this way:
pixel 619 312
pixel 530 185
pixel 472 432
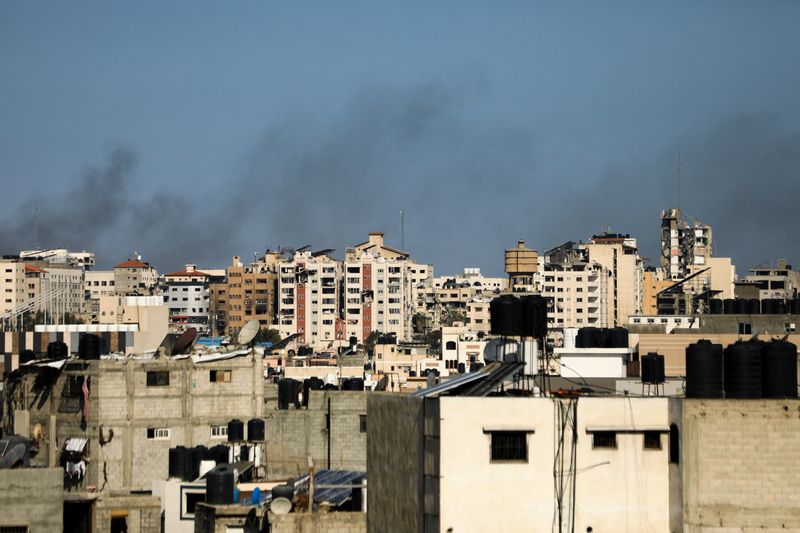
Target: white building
pixel 577 295
pixel 186 295
pixel 62 256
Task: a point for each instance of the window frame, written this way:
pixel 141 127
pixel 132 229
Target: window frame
pixel 154 378
pixel 510 450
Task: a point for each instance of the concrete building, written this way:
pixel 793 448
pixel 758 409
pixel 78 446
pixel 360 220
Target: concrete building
pixel 578 294
pixel 780 283
pixel 479 318
pixel 32 500
pixel 61 256
pixel 308 295
pixel 684 243
pixel 619 255
pixel 461 345
pixel 96 284
pixel 134 277
pixel 250 294
pixel 12 285
pixel 187 296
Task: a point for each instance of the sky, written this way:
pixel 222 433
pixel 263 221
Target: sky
pixel 190 132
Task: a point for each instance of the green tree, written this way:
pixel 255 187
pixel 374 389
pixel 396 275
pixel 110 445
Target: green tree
pixel 453 316
pixel 268 335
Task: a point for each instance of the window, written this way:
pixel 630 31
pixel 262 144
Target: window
pixel 674 444
pixel 450 345
pixel 219 432
pixel 652 440
pixel 362 423
pixel 158 379
pixel 604 439
pixel 158 433
pixel 219 376
pixel 509 446
pixel 745 328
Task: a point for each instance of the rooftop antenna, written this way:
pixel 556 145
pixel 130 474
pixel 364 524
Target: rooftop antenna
pixel 36 225
pixel 402 231
pixel 678 183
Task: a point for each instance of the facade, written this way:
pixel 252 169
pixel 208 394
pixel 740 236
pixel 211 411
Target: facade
pixel 61 256
pixel 134 277
pixel 250 295
pixel 522 265
pixel 12 285
pixel 29 288
pixel 781 282
pixel 619 255
pixel 577 294
pixel 187 296
pixel 683 244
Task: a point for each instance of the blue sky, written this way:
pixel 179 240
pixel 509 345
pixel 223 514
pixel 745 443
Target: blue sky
pixel 254 124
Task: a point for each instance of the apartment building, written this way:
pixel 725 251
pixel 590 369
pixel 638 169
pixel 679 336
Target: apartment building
pixel 780 282
pixel 61 256
pixel 248 293
pixel 135 277
pixel 683 243
pixel 12 285
pixel 97 284
pixel 619 255
pixel 29 287
pixel 187 296
pixel 577 294
pixel 308 293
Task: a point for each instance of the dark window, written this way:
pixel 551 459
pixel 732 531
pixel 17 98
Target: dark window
pixel 158 379
pixel 745 328
pixel 362 423
pixel 604 439
pixel 192 499
pixel 509 446
pixel 450 345
pixel 674 445
pixel 652 440
pixel 119 524
pixel 219 376
pixel 13 529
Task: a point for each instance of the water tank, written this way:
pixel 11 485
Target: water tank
pixel 57 350
pixel 794 306
pixel 462 368
pixel 219 485
pixel 235 430
pixel 741 306
pixel 586 338
pixel 729 306
pixel 255 430
pixel 504 312
pixel 198 455
pixel 603 338
pixel 288 393
pixel 768 307
pixel 474 367
pixel 619 337
pixel 715 306
pixel 754 306
pixel 180 463
pixel 89 346
pixel 244 452
pixel 704 370
pixel 779 370
pixel 219 453
pixel 652 368
pixel 533 316
pixel 780 307
pixel 330 386
pixel 353 384
pixel 310 384
pixel 283 491
pixel 742 370
pixel 26 355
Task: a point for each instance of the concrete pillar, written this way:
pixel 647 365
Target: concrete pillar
pixel 22 423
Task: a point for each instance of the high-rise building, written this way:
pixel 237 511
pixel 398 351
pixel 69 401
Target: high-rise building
pixel 135 277
pixel 187 296
pixel 619 255
pixel 683 243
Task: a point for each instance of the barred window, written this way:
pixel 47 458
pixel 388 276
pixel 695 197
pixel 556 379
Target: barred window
pixel 509 446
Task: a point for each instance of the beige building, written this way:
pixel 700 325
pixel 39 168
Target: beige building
pixel 619 255
pixel 249 294
pixel 134 277
pixel 522 266
pixel 780 282
pixel 578 295
pixel 186 294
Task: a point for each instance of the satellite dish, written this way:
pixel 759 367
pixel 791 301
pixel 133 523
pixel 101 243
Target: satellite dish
pixel 184 342
pixel 499 349
pixel 280 506
pixel 248 332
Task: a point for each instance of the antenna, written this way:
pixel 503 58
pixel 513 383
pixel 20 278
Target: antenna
pixel 36 225
pixel 402 231
pixel 678 183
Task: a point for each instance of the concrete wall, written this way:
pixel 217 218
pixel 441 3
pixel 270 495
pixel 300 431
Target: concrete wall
pixel 32 497
pixel 295 434
pixel 394 458
pixel 142 513
pixel 741 465
pixel 319 523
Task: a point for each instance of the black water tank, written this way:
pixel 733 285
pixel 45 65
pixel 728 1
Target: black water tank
pixel 619 337
pixel 779 370
pixel 462 368
pixel 780 307
pixel 353 384
pixel 198 453
pixel 255 430
pixel 288 393
pixel 768 306
pixel 180 463
pixel 715 306
pixel 309 384
pixel 533 316
pixel 330 386
pixel 89 346
pixel 235 430
pixel 652 368
pixel 795 306
pixel 219 485
pixel 741 306
pixel 586 338
pixel 742 370
pixel 729 306
pixel 283 491
pixel 754 306
pixel 57 350
pixel 474 367
pixel 219 453
pixel 504 312
pixel 26 355
pixel 244 452
pixel 603 338
pixel 704 370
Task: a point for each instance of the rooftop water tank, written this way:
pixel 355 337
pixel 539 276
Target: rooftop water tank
pixel 219 485
pixel 779 370
pixel 704 370
pixel 742 370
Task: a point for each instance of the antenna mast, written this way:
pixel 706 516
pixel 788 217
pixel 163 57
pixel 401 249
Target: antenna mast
pixel 36 225
pixel 678 183
pixel 402 231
